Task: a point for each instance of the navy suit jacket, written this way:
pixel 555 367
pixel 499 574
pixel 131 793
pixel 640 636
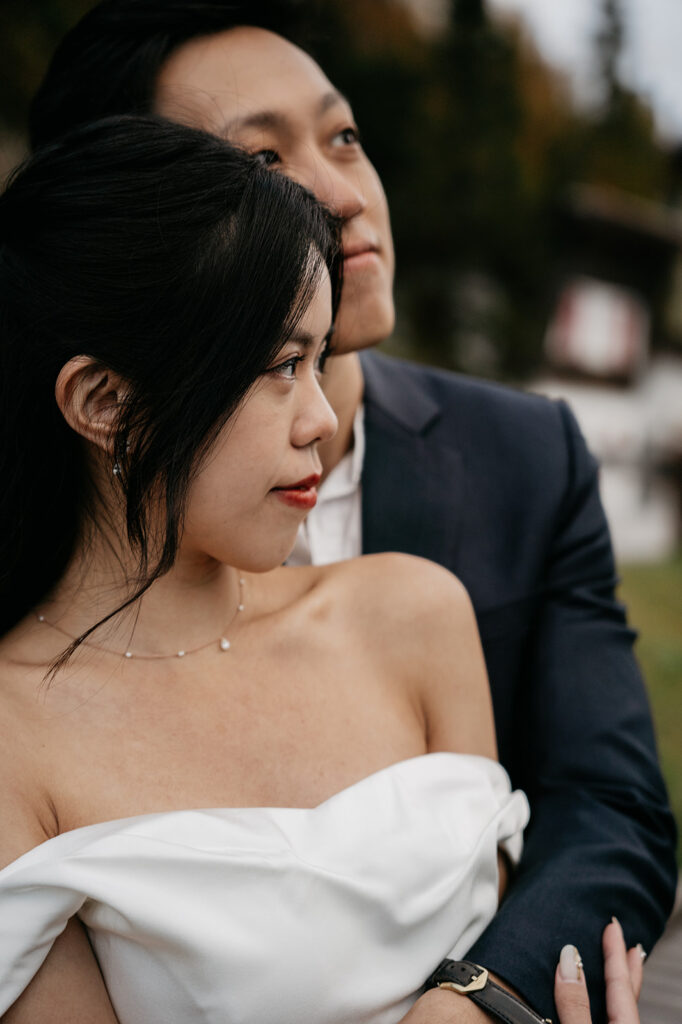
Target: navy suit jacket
pixel 499 487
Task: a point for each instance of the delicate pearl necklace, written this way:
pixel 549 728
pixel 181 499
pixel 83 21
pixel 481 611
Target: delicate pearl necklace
pixel 222 641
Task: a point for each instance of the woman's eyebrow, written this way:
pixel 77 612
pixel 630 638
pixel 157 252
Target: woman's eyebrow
pixel 304 338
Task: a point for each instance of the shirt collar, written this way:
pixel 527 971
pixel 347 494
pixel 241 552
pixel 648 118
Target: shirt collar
pixel 346 475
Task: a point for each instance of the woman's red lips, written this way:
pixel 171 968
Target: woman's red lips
pixel 302 485
pixel 301 495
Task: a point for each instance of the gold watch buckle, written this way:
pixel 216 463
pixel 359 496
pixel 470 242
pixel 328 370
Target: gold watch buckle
pixel 475 985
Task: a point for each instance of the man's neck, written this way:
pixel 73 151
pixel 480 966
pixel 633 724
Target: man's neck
pixel 343 385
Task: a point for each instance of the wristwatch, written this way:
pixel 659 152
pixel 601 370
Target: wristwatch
pixel 473 981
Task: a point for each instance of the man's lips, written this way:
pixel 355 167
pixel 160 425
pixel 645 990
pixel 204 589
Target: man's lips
pixel 359 254
pixel 301 495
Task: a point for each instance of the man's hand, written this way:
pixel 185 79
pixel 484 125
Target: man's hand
pixel 439 1006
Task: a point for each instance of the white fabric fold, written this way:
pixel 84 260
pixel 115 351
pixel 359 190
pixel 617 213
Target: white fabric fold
pixel 334 914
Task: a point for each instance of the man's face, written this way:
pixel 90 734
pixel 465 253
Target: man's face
pixel 264 94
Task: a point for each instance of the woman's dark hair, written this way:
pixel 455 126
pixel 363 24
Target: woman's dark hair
pixel 176 261
pixel 109 62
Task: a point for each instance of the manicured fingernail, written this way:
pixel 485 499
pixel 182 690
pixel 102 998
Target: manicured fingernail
pixel 642 952
pixel 570 964
pixel 614 920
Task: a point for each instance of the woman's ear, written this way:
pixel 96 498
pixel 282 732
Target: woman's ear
pixel 90 397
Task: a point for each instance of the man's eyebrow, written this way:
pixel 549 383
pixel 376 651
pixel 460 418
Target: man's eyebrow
pixel 329 100
pixel 260 119
pixel 275 119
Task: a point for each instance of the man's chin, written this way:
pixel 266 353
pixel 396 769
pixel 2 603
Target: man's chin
pixel 362 327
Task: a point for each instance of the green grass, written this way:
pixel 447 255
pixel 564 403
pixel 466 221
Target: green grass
pixel 653 594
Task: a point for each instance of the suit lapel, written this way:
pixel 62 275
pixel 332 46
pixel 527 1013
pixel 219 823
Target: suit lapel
pixel 411 483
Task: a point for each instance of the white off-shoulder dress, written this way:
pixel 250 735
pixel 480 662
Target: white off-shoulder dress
pixel 329 915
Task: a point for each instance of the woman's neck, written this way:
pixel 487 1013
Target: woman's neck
pixel 188 607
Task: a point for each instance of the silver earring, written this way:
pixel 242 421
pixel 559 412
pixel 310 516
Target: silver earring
pixel 116 470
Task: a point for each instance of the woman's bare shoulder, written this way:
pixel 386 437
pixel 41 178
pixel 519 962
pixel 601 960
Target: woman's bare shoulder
pixel 24 807
pixel 22 829
pixel 68 985
pixel 390 585
pixel 24 804
pixel 417 621
pixel 384 590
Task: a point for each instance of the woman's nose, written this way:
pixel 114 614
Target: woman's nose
pixel 316 421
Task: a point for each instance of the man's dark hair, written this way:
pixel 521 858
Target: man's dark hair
pixel 109 62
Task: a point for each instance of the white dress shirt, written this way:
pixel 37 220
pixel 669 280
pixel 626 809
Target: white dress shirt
pixel 332 531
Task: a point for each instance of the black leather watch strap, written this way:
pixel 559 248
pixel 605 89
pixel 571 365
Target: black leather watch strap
pixel 471 980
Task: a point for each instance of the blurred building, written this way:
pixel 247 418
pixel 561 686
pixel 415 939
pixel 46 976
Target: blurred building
pixel 611 351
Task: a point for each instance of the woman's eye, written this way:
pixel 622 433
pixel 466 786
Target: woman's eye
pixel 267 157
pixel 288 368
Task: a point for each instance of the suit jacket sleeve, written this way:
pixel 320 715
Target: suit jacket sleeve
pixel 601 837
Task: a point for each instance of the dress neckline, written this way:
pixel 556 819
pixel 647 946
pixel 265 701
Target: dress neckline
pixel 112 825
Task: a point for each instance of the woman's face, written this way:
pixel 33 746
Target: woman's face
pixel 258 482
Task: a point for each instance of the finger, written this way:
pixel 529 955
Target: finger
pixel 636 957
pixel 621 1005
pixel 570 991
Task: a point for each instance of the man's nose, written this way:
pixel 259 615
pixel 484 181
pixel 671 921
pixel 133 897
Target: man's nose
pixel 338 188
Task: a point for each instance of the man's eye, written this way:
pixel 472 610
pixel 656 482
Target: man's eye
pixel 347 137
pixel 267 157
pixel 323 357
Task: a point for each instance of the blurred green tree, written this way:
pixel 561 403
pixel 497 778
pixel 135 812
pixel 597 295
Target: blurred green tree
pixel 617 146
